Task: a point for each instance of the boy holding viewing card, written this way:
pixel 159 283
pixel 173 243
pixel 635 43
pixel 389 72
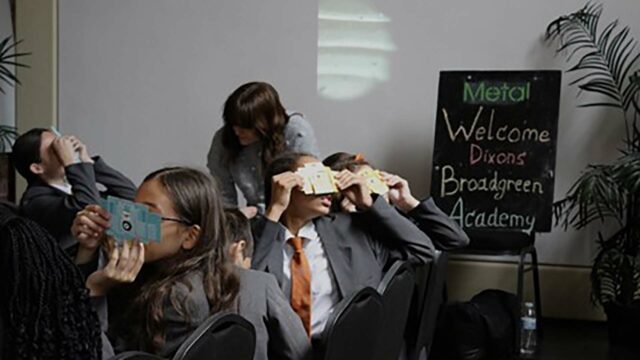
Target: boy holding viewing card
pixel 62 179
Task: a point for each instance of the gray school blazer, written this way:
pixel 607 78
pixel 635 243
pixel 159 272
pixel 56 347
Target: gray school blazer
pixel 279 331
pixel 358 246
pixel 445 233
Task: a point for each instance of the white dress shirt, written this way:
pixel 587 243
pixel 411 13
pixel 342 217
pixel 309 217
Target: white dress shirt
pixel 64 187
pixel 324 294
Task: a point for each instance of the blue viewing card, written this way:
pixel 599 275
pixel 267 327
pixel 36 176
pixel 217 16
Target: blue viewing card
pixel 153 227
pixel 130 221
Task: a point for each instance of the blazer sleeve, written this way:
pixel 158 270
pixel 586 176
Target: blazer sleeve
pixel 220 171
pixel 179 326
pixel 55 210
pixel 287 337
pixel 116 183
pixel 82 179
pixel 396 232
pixel 300 136
pixel 444 232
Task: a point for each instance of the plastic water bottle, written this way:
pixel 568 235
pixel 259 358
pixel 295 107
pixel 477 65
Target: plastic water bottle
pixel 528 339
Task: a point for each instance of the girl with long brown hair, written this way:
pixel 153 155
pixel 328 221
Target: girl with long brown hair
pixel 188 275
pixel 257 128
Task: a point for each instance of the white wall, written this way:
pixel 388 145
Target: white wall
pixel 143 81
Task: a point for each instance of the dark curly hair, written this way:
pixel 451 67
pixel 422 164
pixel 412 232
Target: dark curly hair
pixel 46 310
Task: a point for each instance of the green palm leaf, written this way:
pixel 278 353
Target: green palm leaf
pixel 9 57
pixel 615 276
pixel 606 63
pixel 7 135
pixel 594 196
pixel 608 56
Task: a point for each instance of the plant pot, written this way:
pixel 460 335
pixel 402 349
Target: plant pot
pixel 7 178
pixel 623 323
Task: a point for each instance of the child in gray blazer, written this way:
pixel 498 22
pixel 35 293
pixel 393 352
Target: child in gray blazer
pixel 344 251
pixel 189 275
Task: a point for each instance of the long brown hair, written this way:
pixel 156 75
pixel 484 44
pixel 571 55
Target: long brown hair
pixel 197 201
pixel 255 105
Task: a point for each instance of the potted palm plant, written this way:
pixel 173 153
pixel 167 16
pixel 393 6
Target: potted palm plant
pixel 8 58
pixel 606 62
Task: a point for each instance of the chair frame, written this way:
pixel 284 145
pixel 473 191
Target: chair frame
pixel 398 267
pixel 214 321
pixel 395 268
pixel 429 303
pixel 128 354
pixel 339 310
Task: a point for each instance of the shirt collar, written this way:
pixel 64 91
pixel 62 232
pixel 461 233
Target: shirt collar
pixel 65 187
pixel 308 232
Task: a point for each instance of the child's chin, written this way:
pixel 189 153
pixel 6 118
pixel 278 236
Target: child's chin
pixel 324 210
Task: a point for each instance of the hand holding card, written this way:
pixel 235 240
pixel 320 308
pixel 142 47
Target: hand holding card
pixel 124 264
pixel 399 192
pixel 375 182
pixel 354 187
pixel 76 153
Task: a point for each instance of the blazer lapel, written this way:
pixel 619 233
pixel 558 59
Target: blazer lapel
pixel 267 255
pixel 336 253
pixel 275 260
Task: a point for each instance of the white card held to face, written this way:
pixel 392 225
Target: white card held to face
pixel 318 179
pixel 304 173
pixel 374 181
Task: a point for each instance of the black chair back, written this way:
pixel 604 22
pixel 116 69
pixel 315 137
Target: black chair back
pixel 222 336
pixel 497 242
pixel 396 289
pixel 136 355
pixel 352 327
pixel 419 336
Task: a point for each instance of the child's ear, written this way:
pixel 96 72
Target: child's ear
pixel 36 168
pixel 236 249
pixel 192 237
pixel 241 245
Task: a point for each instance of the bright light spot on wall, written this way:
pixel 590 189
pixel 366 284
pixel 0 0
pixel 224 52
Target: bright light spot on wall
pixel 353 48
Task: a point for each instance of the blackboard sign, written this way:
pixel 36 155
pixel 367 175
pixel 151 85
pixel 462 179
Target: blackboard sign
pixel 495 144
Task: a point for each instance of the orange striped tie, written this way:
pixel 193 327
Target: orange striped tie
pixel 301 284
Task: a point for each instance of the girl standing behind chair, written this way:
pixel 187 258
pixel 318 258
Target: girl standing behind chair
pixel 256 129
pixel 190 276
